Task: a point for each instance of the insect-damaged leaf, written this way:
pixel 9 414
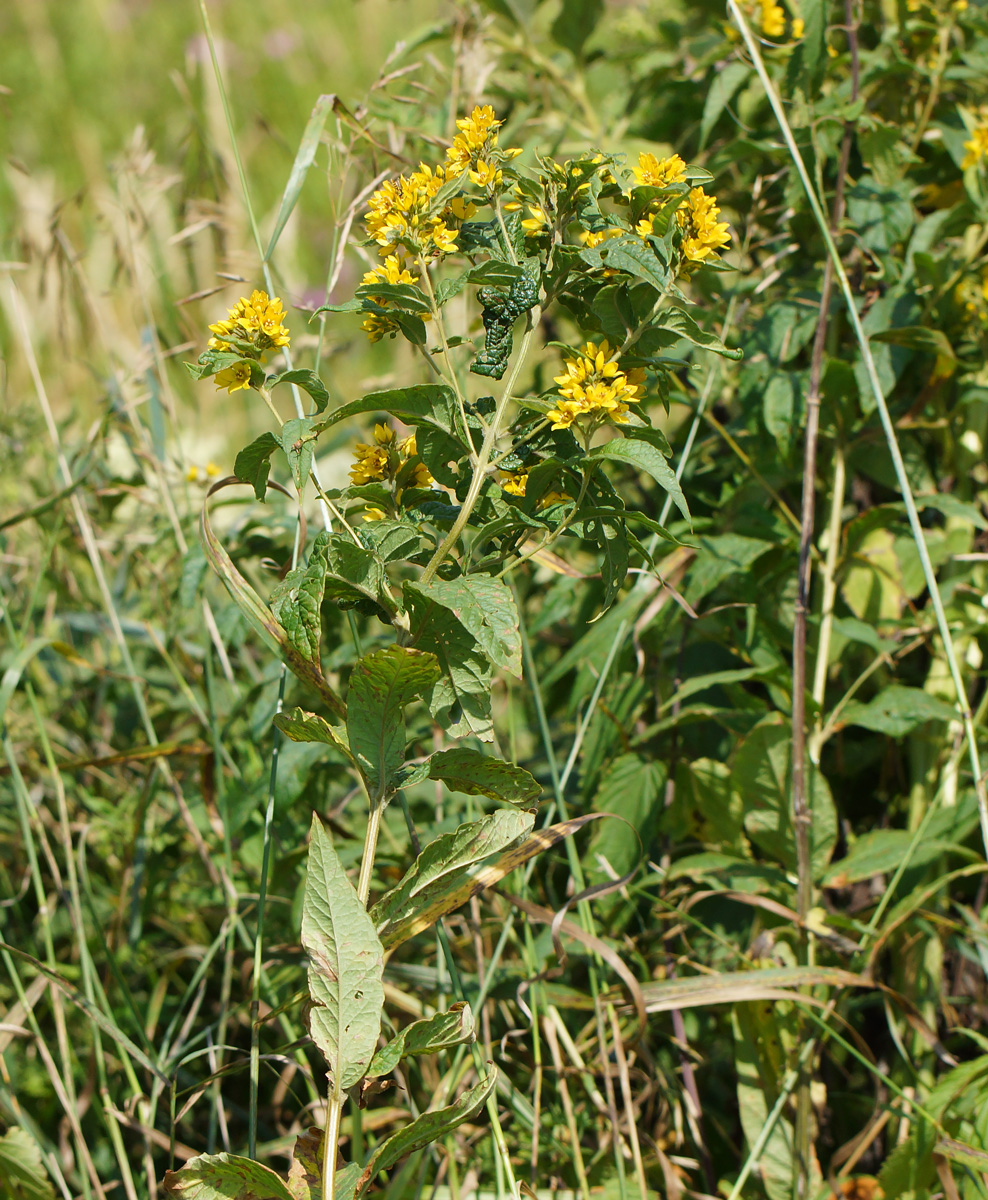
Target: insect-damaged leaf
pixel 296 601
pixel 222 1176
pixel 381 684
pixel 346 966
pixel 476 774
pixel 301 726
pixel 427 1036
pixel 426 1129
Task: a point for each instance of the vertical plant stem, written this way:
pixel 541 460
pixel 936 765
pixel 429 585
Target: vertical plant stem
pixel 837 489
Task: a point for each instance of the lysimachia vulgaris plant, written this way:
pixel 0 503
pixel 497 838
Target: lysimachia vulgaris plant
pixel 461 479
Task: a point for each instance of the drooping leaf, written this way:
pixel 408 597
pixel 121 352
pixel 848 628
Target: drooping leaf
pixel 438 1032
pixel 429 403
pixel 307 380
pixel 486 608
pixel 262 619
pixel 644 456
pixel 346 966
pixel 296 601
pixel 426 1129
pixel 448 857
pixel 253 463
pixel 226 1177
pixel 22 1172
pixel 303 726
pixel 381 684
pixel 465 770
pixel 679 323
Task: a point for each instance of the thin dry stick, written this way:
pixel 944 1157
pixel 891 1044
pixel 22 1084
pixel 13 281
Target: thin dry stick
pixel 802 819
pixel 629 1103
pixel 549 1029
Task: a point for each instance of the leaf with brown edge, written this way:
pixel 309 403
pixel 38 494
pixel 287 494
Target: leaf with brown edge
pixel 261 619
pixel 226 1177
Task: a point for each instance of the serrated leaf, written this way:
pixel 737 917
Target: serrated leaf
pixel 426 1129
pixel 225 1177
pixel 297 600
pixel 645 457
pixel 381 684
pixel 428 1036
pixel 22 1172
pixel 253 463
pixel 465 770
pixel 307 380
pixel 346 966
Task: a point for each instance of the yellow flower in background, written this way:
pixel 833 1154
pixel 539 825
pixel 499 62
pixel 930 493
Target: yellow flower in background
pixel 515 483
pixel 705 235
pixel 594 239
pixel 645 226
pixel 976 148
pixel 773 19
pixel 594 385
pixel 659 172
pixel 234 378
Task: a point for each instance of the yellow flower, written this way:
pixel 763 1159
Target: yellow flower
pixel 654 172
pixel 400 213
pixel 212 470
pixel 773 19
pixel 234 378
pixel 798 28
pixel 372 462
pixel 192 475
pixel 515 483
pixel 593 240
pixel 485 175
pixel 258 319
pixel 472 145
pixel 537 223
pixel 378 326
pixel 704 234
pixel 976 148
pixel 645 226
pixel 374 514
pixel 595 385
pixel 443 239
pixel 391 271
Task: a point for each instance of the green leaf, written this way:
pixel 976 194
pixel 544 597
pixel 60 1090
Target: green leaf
pixel 918 337
pixel 307 380
pixel 438 1032
pixel 431 404
pixel 22 1172
pixel 302 726
pixel 401 297
pixel 495 273
pixel 297 439
pixel 346 966
pixel 633 789
pixel 725 83
pixel 426 1129
pixel 678 322
pixel 632 255
pixel 760 1060
pixel 485 607
pixel 225 1177
pixel 443 864
pixel 460 699
pixel 305 156
pixel 253 463
pixel 642 455
pixel 297 600
pixel 381 684
pixel 465 770
pixel 898 710
pixel 761 773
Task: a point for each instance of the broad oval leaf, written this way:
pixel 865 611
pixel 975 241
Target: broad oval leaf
pixel 381 684
pixel 226 1177
pixel 476 774
pixel 645 457
pixel 346 966
pixel 438 1032
pixel 301 726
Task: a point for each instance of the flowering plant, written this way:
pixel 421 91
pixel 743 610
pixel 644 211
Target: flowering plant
pixel 473 487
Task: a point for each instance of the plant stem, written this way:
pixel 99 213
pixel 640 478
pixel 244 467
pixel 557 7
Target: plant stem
pixel 480 470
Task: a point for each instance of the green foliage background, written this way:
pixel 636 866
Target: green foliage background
pixel 134 873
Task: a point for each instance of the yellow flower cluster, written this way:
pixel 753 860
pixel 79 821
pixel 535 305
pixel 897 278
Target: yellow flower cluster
pixel 376 325
pixel 258 320
pixel 704 234
pixel 401 214
pixel 773 21
pixel 976 148
pixel 594 385
pixel 659 172
pixel 381 461
pixel 474 149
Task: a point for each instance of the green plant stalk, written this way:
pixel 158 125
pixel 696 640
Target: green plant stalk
pixel 486 449
pixel 886 418
pixel 451 376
